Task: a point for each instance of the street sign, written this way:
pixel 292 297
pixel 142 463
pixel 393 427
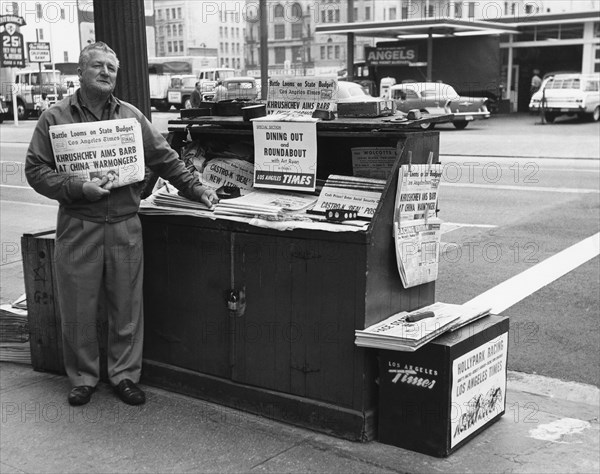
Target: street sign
pixel 12 53
pixel 39 52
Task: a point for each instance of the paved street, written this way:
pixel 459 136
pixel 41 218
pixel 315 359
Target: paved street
pixel 515 193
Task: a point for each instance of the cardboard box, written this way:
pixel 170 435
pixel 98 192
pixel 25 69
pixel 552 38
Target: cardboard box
pixel 436 399
pixel 379 108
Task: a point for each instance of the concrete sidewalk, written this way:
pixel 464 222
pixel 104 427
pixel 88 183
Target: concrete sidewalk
pixel 549 426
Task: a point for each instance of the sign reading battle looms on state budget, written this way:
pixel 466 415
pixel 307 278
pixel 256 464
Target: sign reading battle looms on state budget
pixel 109 153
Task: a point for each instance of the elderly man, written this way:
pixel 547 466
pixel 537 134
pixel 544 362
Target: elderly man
pixel 98 233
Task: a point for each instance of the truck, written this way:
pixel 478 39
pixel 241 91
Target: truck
pixel 31 87
pixel 159 79
pixel 472 65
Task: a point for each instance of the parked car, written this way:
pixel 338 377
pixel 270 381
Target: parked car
pixel 238 88
pixel 569 94
pixel 180 90
pixel 536 97
pixel 439 98
pixel 351 92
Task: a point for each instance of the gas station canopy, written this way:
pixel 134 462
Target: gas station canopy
pixel 410 29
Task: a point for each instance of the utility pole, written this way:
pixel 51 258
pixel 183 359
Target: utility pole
pixel 122 25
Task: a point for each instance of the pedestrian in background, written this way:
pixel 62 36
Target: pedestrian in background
pixel 98 233
pixel 536 82
pixel 196 97
pixel 220 92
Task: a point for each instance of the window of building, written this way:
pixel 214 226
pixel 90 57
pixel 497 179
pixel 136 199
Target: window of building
pixel 181 45
pixel 180 30
pixel 225 32
pixel 173 13
pixel 392 13
pixel 404 12
pixel 66 56
pixel 322 52
pixel 168 13
pixel 38 11
pixel 337 51
pixel 355 14
pixel 169 47
pixel 168 30
pixel 278 11
pixel 297 54
pixel 279 55
pixel 431 11
pixel 571 31
pixel 296 12
pixel 471 10
pixel 40 34
pixel 62 14
pixel 175 48
pixel 279 32
pixel 296 30
pixel 367 13
pixel 458 10
pixel 179 15
pixel 329 52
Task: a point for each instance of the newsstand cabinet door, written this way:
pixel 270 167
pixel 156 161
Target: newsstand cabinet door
pixel 297 332
pixel 186 318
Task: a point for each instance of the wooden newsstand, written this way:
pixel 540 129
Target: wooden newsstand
pixel 289 354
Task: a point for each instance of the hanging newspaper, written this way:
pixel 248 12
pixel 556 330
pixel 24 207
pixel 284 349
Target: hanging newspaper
pixel 417 231
pixel 109 152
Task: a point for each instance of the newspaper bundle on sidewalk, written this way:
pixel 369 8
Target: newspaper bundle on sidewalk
pixel 14 332
pixel 407 331
pixel 109 152
pixel 417 230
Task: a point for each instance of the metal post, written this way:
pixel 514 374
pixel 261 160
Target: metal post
pixel 350 43
pixel 430 55
pixel 123 28
pixel 264 51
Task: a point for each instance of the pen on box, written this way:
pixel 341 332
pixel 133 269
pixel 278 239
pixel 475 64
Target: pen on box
pixel 413 318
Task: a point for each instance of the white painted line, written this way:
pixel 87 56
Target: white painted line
pixel 519 287
pixel 14 186
pixel 522 188
pixel 55 206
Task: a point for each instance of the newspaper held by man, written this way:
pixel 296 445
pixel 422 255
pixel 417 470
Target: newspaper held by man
pixel 109 152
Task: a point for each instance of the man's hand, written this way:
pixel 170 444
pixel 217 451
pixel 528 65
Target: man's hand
pixel 208 197
pixel 93 192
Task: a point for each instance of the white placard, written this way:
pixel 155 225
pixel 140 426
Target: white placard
pixel 285 155
pixel 478 387
pixel 373 162
pixel 108 152
pixel 301 95
pixel 228 172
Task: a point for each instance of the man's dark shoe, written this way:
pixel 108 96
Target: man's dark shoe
pixel 80 395
pixel 130 393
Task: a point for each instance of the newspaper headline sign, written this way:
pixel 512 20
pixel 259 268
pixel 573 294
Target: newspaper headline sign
pixel 109 152
pixel 300 95
pixel 478 387
pixel 228 172
pixel 417 230
pixel 285 155
pixel 39 52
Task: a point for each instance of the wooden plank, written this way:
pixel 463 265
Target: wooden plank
pixel 42 303
pixel 326 418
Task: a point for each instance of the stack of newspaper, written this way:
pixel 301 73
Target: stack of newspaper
pixel 266 205
pixel 14 332
pixel 167 201
pixel 407 331
pixel 350 193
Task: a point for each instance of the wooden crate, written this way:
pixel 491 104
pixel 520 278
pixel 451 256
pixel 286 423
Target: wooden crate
pixel 37 250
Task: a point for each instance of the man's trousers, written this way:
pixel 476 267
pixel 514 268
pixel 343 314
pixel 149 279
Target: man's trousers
pixel 94 259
